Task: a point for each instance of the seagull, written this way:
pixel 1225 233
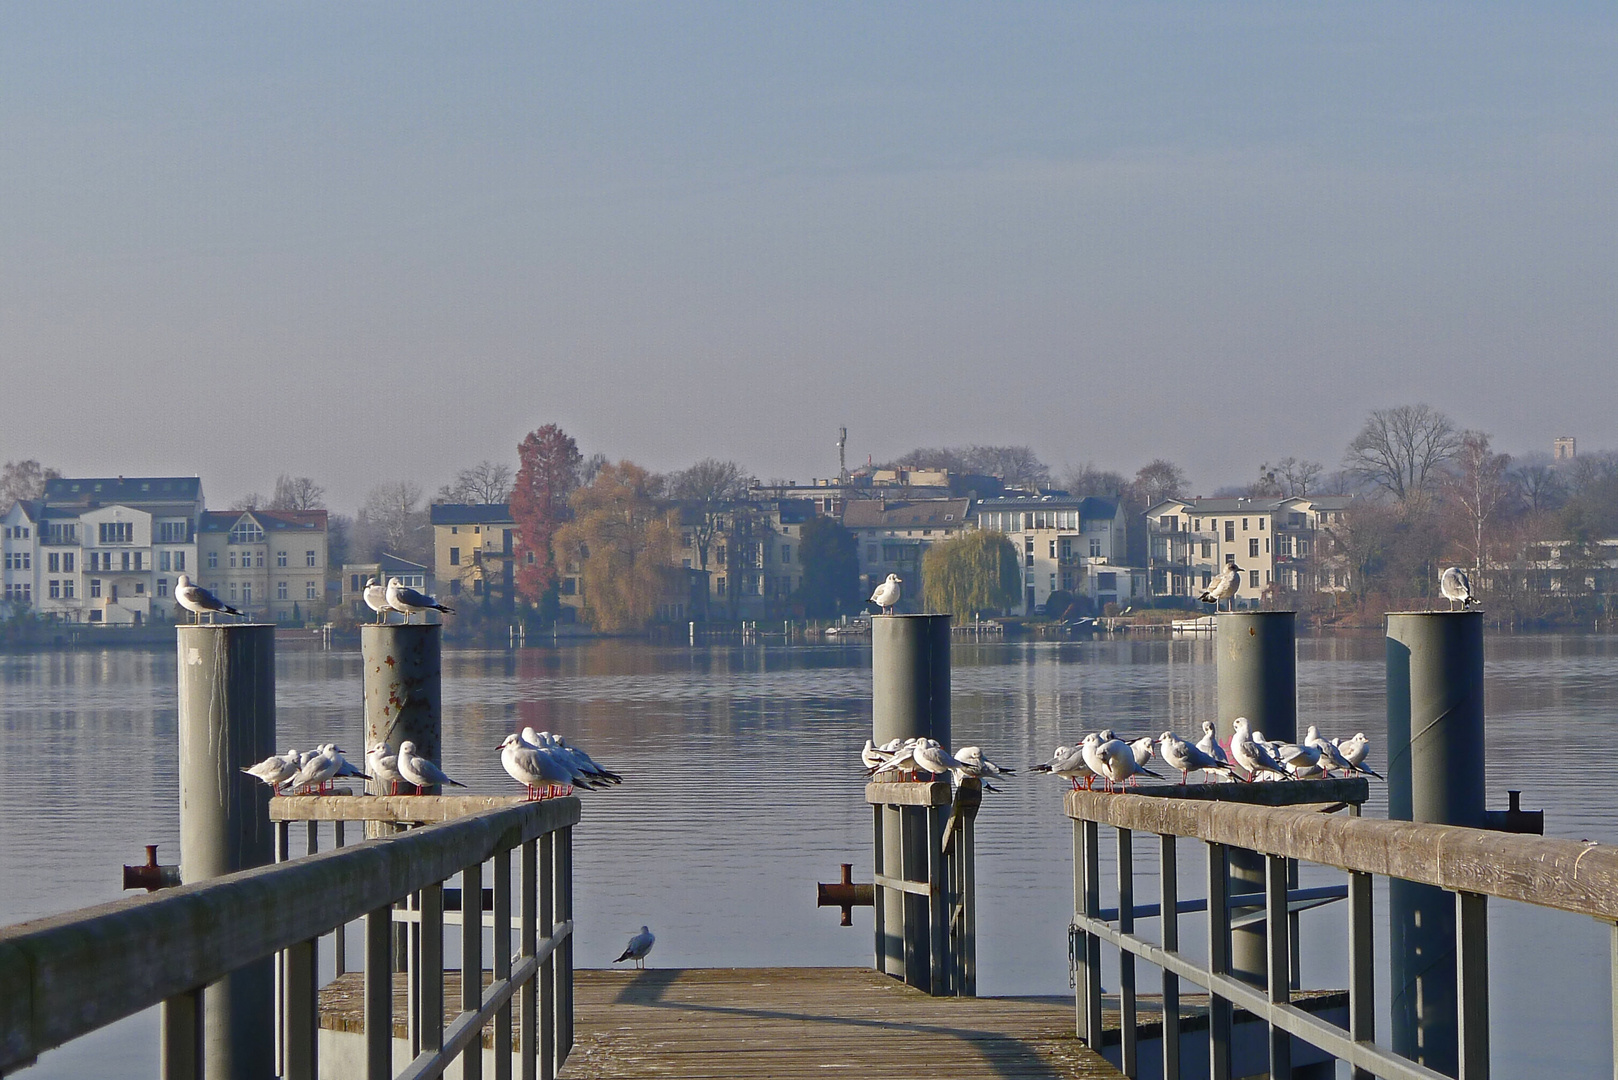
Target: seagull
pixel 887 594
pixel 1118 764
pixel 980 766
pixel 871 756
pixel 376 598
pixel 590 767
pixel 408 600
pixel 1209 744
pixel 276 769
pixel 1068 763
pixel 1457 588
pixel 1354 751
pixel 1180 754
pixel 316 770
pixel 1299 760
pixel 384 766
pixel 1251 754
pixel 345 768
pixel 931 756
pixel 421 771
pixel 1222 587
pixel 534 769
pixel 199 601
pixel 638 947
pixel 1330 757
pixel 901 760
pixel 1142 748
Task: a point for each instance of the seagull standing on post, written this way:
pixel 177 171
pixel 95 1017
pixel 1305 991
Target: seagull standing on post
pixel 376 598
pixel 408 600
pixel 1457 588
pixel 1223 587
pixel 420 771
pixel 197 600
pixel 887 594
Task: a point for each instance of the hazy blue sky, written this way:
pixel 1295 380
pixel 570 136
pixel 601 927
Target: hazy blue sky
pixel 368 242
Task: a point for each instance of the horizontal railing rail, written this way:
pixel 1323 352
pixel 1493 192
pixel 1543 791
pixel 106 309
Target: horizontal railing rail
pixel 1470 864
pixel 67 975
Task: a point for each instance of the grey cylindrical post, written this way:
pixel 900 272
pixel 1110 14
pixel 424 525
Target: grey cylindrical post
pixel 909 699
pixel 227 723
pixel 1257 667
pixel 1435 774
pixel 402 688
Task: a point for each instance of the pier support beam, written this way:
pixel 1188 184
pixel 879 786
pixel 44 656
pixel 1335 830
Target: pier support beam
pixel 227 723
pixel 1257 668
pixel 1435 774
pixel 910 657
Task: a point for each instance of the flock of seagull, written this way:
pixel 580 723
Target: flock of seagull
pixel 394 597
pixel 543 763
pixel 1453 584
pixel 1116 762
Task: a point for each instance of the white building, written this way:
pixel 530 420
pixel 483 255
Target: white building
pixel 1285 544
pixel 1075 544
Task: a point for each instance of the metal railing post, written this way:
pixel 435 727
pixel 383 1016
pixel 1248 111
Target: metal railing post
pixel 939 968
pixel 379 994
pixel 1168 898
pixel 1130 1032
pixel 180 1042
pixel 502 962
pixel 1219 1011
pixel 546 1044
pixel 1361 965
pixel 1088 942
pixel 1280 966
pixel 472 964
pixel 429 974
pixel 564 969
pixel 1472 982
pixel 302 1012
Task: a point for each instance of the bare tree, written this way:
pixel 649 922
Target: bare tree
pixel 1015 466
pixel 487 482
pixel 1086 479
pixel 1297 476
pixel 1402 450
pixel 297 493
pixel 23 480
pixel 1478 490
pixel 1158 480
pixel 706 491
pixel 251 501
pixel 393 518
pixel 1540 484
pixel 924 457
pixel 592 467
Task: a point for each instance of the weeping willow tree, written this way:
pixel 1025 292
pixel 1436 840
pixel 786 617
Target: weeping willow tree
pixel 976 572
pixel 623 544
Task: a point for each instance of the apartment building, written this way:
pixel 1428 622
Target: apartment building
pixel 894 534
pixel 1075 544
pixel 1285 544
pixel 271 564
pixel 355 576
pixel 473 551
pixel 102 550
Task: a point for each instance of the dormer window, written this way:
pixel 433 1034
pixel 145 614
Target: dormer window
pixel 246 531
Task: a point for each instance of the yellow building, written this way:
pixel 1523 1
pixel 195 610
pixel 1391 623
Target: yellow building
pixel 269 563
pixel 473 551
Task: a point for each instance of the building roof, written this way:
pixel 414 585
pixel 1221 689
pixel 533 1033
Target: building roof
pixel 1244 505
pixel 128 490
pixel 472 514
pixel 215 521
pixel 387 564
pixel 903 514
pixel 1088 506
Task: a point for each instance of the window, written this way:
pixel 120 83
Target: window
pixel 1261 524
pixel 309 592
pixel 246 531
pixel 455 556
pixel 1230 559
pixel 570 586
pixel 165 560
pixel 233 558
pixel 95 587
pixel 95 560
pixel 117 532
pixel 123 560
pixel 1230 531
pixel 455 587
pixel 53 562
pixel 213 561
pixel 95 616
pixel 1266 545
pixel 786 552
pixel 172 532
pixel 259 560
pixel 1252 578
pixel 719 586
pixel 1095 547
pixel 280 590
pixel 280 558
pixel 1244 524
pixel 1207 549
pixel 138 557
pixel 179 560
pixel 1252 547
pixel 162 586
pixel 67 588
pixel 67 562
pixel 56 589
pixel 1207 578
pixel 1053 583
pixel 309 558
pixel 1107 582
pixel 1053 549
pixel 1303 547
pixel 140 588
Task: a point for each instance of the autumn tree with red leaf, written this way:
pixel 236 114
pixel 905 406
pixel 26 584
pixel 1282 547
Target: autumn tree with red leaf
pixel 547 473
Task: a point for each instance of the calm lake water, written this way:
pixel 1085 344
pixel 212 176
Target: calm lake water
pixel 743 788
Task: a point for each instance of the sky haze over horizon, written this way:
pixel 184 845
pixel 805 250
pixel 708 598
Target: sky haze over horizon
pixel 367 242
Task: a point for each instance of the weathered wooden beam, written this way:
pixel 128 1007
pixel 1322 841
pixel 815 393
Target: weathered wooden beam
pixel 143 950
pixel 1564 874
pixel 1352 790
pixel 911 793
pixel 405 809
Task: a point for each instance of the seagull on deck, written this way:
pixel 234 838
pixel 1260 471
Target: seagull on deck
pixel 887 594
pixel 1457 588
pixel 1068 763
pixel 1118 764
pixel 534 769
pixel 1209 744
pixel 403 598
pixel 1252 755
pixel 978 765
pixel 316 770
pixel 384 766
pixel 1354 751
pixel 1330 757
pixel 276 769
pixel 1223 587
pixel 1090 749
pixel 421 771
pixel 199 601
pixel 1180 754
pixel 638 947
pixel 376 598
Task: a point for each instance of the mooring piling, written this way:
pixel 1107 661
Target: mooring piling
pixel 1435 774
pixel 910 699
pixel 226 723
pixel 403 683
pixel 1256 664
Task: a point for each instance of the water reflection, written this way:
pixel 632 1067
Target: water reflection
pixel 742 789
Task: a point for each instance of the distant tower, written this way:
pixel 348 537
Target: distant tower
pixel 842 456
pixel 1565 448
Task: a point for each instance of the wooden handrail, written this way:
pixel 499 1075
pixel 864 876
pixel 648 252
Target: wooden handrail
pixel 138 952
pixel 1568 875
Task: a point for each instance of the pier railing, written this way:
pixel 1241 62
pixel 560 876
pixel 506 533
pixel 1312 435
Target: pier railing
pixel 67 975
pixel 1469 864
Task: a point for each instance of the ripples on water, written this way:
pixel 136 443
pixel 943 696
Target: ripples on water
pixel 743 789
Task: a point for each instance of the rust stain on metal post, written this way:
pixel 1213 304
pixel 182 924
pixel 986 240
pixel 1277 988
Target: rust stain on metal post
pixel 845 894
